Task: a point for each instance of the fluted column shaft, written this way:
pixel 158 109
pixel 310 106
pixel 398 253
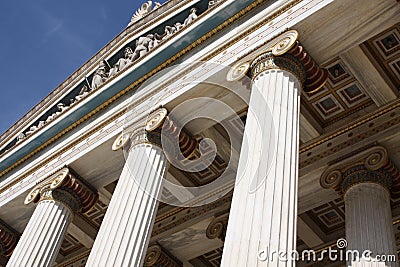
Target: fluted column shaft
pixel 125 231
pixel 265 219
pixel 369 224
pixel 42 237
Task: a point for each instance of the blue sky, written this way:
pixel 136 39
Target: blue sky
pixel 44 41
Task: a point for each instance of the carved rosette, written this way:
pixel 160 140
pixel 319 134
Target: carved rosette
pixel 65 187
pixel 8 239
pixel 370 166
pixel 159 125
pixel 158 256
pixel 217 227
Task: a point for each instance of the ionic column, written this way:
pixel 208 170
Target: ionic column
pixel 264 206
pixel 365 183
pixel 125 231
pixel 57 199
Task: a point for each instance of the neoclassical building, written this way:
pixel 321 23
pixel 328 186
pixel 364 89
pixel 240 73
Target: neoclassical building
pixel 216 133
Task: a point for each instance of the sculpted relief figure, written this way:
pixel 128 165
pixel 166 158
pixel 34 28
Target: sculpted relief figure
pixel 34 128
pixel 61 107
pixel 213 3
pixel 100 76
pixel 122 62
pixel 146 43
pixel 41 124
pixel 113 71
pixel 178 26
pixel 192 16
pixel 155 40
pixel 50 118
pixel 20 137
pixel 142 46
pixel 84 92
pixel 169 30
pixel 31 130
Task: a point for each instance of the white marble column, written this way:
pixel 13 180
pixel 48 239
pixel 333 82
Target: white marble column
pixel 366 180
pixel 42 237
pixel 265 219
pixel 369 224
pixel 126 229
pixel 262 221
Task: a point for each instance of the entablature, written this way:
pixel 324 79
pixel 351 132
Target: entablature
pixel 47 124
pixel 111 121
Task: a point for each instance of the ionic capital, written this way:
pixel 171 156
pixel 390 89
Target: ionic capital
pixel 158 256
pixel 369 166
pixel 158 125
pixel 65 187
pixel 8 239
pixel 217 227
pixel 284 53
pixel 268 61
